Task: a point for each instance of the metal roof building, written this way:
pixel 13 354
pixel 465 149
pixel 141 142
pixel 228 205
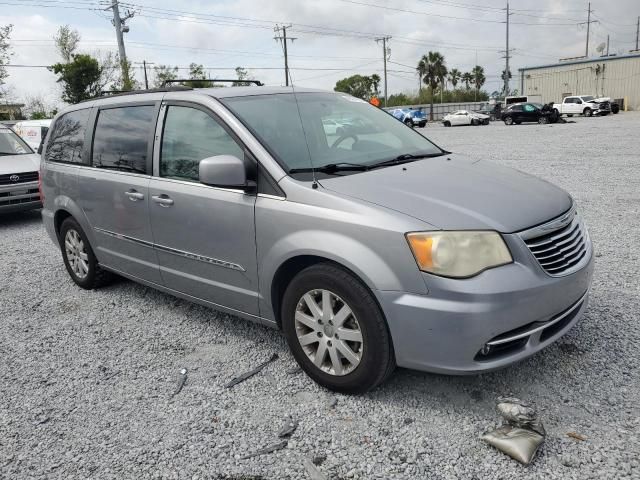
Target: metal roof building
pixel 614 76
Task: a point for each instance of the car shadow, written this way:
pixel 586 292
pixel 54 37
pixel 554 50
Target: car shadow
pixel 19 219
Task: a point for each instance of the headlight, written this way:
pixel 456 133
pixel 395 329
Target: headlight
pixel 458 254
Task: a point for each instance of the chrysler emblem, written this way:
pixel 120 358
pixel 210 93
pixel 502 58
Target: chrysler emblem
pixel 14 178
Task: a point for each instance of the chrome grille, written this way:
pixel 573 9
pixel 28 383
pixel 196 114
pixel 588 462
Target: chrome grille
pixel 23 177
pixel 560 251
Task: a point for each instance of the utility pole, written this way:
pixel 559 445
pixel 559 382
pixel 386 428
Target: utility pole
pixel 637 32
pixel 144 64
pixel 283 40
pixel 507 56
pixel 607 45
pixel 588 23
pixel 121 27
pixel 384 58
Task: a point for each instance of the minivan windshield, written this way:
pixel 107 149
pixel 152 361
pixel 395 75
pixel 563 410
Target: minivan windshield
pixel 328 130
pixel 12 144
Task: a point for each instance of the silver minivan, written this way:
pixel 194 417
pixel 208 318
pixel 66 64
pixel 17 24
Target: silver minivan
pixel 369 246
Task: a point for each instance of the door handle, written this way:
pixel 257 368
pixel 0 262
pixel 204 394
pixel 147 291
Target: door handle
pixel 162 200
pixel 134 196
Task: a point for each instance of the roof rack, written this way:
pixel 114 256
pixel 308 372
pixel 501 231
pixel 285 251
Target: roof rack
pixel 121 93
pixel 211 80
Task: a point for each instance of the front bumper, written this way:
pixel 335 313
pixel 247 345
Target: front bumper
pixel 445 331
pixel 19 196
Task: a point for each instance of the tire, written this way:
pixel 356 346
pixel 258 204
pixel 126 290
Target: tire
pixel 422 124
pixel 447 123
pixel 409 123
pixel 508 121
pixel 518 122
pixel 615 108
pixel 79 259
pixel 569 114
pixel 485 121
pixel 556 112
pixel 543 120
pixel 374 353
pixel 587 112
pixel 474 122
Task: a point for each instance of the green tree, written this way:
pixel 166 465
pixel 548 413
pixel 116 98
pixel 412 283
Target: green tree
pixel 454 77
pixel 478 77
pixel 435 71
pixel 162 73
pixel 5 55
pixel 66 40
pixel 241 74
pixel 196 72
pixel 80 78
pixel 361 86
pixel 467 79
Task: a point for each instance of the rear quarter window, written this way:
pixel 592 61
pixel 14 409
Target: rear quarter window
pixel 67 139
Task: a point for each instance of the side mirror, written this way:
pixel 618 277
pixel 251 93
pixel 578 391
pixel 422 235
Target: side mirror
pixel 223 171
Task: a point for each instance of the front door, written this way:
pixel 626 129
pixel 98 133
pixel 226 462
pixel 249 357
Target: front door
pixel 113 192
pixel 204 236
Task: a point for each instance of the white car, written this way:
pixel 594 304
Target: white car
pixel 19 172
pixel 32 131
pixel 464 117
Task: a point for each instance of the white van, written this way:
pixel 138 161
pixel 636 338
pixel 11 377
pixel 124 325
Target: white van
pixel 32 131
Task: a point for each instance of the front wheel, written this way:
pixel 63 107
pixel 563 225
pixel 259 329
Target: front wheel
pixel 78 256
pixel 543 120
pixel 447 123
pixel 485 121
pixel 336 331
pixel 588 112
pixel 615 108
pixel 508 120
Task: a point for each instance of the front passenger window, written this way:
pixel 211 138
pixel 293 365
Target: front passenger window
pixel 191 135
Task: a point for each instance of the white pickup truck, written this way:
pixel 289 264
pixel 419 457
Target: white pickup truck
pixel 586 105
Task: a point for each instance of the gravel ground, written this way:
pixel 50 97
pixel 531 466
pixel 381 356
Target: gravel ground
pixel 88 378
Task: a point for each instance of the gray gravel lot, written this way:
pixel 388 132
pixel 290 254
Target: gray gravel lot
pixel 87 378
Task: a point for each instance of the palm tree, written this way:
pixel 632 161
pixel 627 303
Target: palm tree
pixel 454 77
pixel 478 77
pixel 435 71
pixel 467 78
pixel 421 69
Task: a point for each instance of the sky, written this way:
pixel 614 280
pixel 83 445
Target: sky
pixel 333 38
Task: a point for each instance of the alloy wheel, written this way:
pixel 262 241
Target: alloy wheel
pixel 329 332
pixel 76 253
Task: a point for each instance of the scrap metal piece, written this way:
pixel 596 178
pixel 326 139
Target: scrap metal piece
pixel 576 436
pixel 523 432
pixel 182 379
pixel 288 429
pixel 519 443
pixel 270 449
pixel 251 373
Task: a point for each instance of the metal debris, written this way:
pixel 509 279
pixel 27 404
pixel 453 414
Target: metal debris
pixel 182 379
pixel 251 373
pixel 270 449
pixel 313 471
pixel 521 435
pixel 288 429
pixel 576 436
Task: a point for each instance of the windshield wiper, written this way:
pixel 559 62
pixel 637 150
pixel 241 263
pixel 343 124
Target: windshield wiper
pixel 406 158
pixel 333 168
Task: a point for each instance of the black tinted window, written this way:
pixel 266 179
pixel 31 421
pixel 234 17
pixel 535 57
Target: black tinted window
pixel 122 138
pixel 67 138
pixel 516 108
pixel 191 135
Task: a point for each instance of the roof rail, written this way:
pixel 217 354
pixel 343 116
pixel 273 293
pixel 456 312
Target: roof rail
pixel 211 80
pixel 121 93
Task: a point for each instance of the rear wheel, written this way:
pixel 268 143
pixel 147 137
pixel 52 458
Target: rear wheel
pixel 508 120
pixel 336 330
pixel 447 123
pixel 78 256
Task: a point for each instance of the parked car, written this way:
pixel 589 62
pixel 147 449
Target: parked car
pixel 32 131
pixel 410 116
pixel 525 112
pixel 464 117
pixel 19 168
pixel 586 105
pixel 370 250
pixel 492 110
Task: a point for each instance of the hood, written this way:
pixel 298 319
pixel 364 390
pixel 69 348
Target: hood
pixel 479 115
pixel 601 99
pixel 29 162
pixel 454 192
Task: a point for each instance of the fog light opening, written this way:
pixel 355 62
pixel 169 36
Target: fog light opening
pixel 486 349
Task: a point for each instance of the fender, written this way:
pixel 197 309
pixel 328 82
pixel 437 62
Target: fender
pixel 63 202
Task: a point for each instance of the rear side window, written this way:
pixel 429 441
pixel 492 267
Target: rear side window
pixel 121 139
pixel 67 139
pixel 191 135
